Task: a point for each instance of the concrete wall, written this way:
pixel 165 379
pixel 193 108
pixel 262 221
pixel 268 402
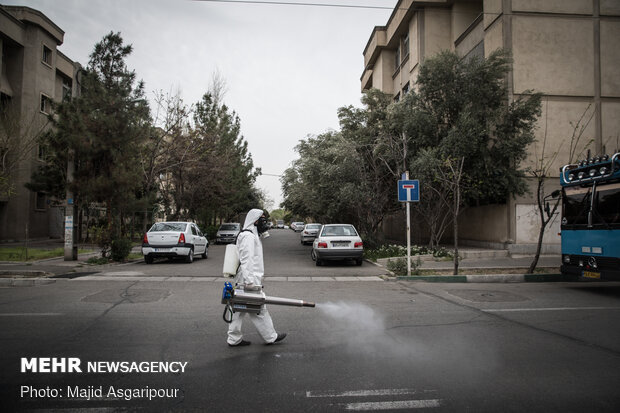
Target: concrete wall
pixel 30 77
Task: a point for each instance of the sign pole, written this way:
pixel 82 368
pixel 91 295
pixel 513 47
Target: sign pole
pixel 408 192
pixel 408 232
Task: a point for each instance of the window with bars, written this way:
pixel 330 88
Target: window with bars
pixel 46 56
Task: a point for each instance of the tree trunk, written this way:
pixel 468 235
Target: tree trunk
pixel 456 234
pixel 543 224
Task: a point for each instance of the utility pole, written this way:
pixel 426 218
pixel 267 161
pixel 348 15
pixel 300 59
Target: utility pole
pixel 71 250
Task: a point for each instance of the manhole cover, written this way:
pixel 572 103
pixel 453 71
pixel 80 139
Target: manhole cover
pixel 487 296
pixel 130 296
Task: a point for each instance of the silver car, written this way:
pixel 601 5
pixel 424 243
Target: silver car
pixel 297 226
pixel 174 239
pixel 308 234
pixel 337 242
pixel 227 232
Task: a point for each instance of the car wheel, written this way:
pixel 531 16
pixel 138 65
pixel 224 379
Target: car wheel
pixel 313 255
pixel 190 257
pixel 205 254
pixel 359 262
pixel 148 259
pixel 318 262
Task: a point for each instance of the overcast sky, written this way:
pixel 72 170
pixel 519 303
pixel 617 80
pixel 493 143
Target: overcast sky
pixel 287 68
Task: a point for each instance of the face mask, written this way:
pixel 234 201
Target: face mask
pixel 261 225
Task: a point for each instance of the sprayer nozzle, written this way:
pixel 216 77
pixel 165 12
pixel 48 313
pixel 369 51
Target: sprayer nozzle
pixel 308 304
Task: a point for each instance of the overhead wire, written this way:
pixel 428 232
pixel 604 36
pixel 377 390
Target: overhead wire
pixel 306 4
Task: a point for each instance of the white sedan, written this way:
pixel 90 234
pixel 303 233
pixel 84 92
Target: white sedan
pixel 174 239
pixel 337 242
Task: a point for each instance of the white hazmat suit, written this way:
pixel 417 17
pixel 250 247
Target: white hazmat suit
pixel 251 271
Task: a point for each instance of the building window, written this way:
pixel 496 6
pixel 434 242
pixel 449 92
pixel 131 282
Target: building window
pixel 46 104
pixel 40 201
pixel 66 90
pixel 397 98
pixel 46 57
pixel 406 89
pixel 406 45
pixel 397 59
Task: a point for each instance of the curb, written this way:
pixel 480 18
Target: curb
pixel 25 273
pixel 490 278
pixel 25 282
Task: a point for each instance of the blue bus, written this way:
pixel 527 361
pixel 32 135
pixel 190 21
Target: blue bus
pixel 591 218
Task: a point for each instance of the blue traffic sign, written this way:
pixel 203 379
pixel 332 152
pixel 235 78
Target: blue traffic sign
pixel 408 190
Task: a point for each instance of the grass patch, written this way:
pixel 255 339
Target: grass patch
pixel 22 254
pixel 488 271
pixel 97 261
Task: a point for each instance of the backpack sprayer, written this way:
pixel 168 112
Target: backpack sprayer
pixel 247 299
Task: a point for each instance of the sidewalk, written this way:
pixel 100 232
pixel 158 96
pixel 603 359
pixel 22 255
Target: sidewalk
pixel 476 260
pixel 52 267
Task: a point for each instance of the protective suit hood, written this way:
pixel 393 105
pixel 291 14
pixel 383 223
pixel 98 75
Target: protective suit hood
pixel 251 268
pixel 251 218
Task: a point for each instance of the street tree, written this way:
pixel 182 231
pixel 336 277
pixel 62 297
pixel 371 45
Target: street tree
pixel 101 131
pixel 460 109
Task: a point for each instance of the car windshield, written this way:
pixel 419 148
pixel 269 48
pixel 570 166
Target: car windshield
pixel 313 226
pixel 168 226
pixel 229 227
pixel 339 231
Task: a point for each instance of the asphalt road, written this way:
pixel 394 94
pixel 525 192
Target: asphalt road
pixel 284 256
pixel 368 346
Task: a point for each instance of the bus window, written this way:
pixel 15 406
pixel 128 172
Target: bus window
pixel 576 206
pixel 607 204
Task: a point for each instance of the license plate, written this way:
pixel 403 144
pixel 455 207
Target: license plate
pixel 340 244
pixel 590 274
pixel 162 249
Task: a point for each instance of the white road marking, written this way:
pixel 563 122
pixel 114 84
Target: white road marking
pixel 393 405
pixel 507 310
pixel 362 393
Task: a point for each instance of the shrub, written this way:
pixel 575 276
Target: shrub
pixel 389 251
pixel 399 266
pixel 120 249
pixel 210 231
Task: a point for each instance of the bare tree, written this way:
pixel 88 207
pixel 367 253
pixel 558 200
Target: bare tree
pixel 19 136
pixel 542 170
pixel 452 178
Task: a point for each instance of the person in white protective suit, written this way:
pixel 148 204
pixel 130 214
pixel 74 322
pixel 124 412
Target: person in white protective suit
pixel 250 274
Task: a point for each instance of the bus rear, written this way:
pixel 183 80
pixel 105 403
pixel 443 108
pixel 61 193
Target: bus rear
pixel 591 218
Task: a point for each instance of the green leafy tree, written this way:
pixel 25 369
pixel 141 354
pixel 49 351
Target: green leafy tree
pixel 458 118
pixel 460 111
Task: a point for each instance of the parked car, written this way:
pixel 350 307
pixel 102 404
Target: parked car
pixel 297 226
pixel 174 239
pixel 227 232
pixel 279 223
pixel 337 242
pixel 309 233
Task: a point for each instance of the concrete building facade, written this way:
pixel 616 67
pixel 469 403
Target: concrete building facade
pixel 33 74
pixel 565 49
